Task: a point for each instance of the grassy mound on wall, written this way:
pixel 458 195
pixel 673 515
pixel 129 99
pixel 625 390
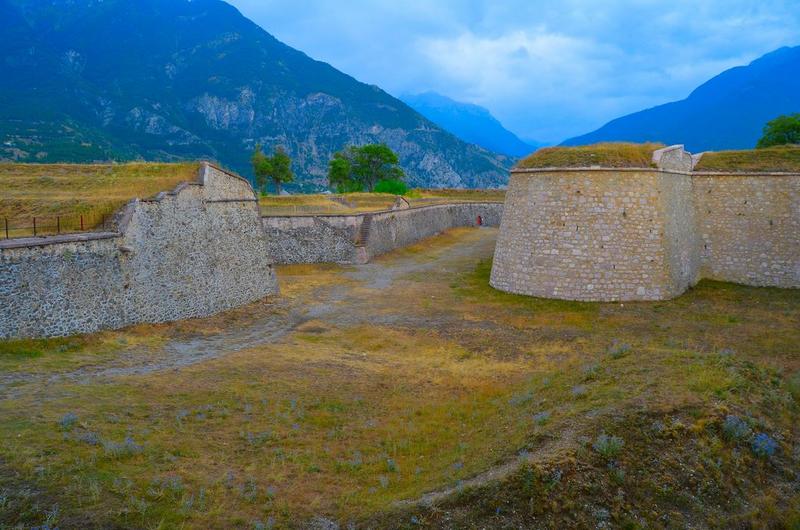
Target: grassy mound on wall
pixel 779 158
pixel 615 154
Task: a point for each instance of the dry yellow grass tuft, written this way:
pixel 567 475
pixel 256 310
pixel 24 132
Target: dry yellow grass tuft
pixel 612 154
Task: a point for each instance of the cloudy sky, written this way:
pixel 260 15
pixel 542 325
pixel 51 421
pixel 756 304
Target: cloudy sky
pixel 547 69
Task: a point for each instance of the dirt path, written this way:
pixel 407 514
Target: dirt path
pixel 337 305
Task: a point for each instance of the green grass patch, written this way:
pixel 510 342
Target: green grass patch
pixel 612 154
pixel 793 385
pixel 476 285
pixel 37 347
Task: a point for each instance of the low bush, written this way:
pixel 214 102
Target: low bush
pixel 68 421
pixel 122 450
pixel 90 438
pixel 618 350
pixel 764 446
pixel 395 187
pixel 541 418
pixel 608 446
pixel 734 428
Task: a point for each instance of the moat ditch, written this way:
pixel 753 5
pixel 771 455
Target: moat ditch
pixel 274 318
pixel 407 392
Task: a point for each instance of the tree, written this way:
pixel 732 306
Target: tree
pixel 277 168
pixel 782 130
pixel 356 168
pixel 281 170
pixel 376 162
pixel 340 174
pixel 261 168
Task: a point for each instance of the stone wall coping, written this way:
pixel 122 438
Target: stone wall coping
pixel 378 212
pixel 205 163
pixel 658 154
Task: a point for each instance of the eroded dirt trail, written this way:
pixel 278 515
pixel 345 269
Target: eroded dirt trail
pixel 339 305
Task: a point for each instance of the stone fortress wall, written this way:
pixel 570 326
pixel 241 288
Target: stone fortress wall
pixel 344 239
pixel 602 234
pixel 192 252
pixel 198 250
pixel 748 228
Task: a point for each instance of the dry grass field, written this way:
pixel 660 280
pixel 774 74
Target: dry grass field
pixel 351 203
pixel 407 393
pixel 325 204
pixel 46 191
pixel 96 191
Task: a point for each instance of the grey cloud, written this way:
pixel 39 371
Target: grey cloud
pixel 548 69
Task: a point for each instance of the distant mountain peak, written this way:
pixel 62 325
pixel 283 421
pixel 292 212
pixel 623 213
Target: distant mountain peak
pixel 472 123
pixel 728 111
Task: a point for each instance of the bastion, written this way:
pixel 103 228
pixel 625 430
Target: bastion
pixel 195 251
pixel 644 222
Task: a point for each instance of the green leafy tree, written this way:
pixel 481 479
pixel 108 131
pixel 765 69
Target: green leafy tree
pixel 782 130
pixel 276 168
pixel 340 173
pixel 261 168
pixel 376 162
pixel 281 170
pixel 357 168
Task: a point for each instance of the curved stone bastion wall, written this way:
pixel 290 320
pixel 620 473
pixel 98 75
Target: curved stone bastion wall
pixel 192 252
pixel 349 239
pixel 602 234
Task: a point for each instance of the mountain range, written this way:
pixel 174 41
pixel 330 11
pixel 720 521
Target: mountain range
pixel 727 112
pixel 472 123
pixel 98 80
